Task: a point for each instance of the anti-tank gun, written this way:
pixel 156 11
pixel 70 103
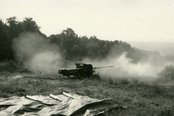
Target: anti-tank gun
pixel 82 70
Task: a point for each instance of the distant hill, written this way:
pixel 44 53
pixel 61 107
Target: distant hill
pixel 162 48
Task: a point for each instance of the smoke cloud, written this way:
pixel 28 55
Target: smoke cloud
pixel 123 67
pixel 37 54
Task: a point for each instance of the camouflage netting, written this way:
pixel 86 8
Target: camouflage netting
pixel 65 104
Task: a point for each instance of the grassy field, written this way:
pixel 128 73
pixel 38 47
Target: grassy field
pixel 141 99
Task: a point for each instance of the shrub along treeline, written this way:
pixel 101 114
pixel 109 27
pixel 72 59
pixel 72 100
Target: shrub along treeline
pixel 72 46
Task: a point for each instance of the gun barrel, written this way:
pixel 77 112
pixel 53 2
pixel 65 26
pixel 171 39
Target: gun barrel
pixel 103 67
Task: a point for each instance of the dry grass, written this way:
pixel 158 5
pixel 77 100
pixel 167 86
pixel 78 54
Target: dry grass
pixel 141 99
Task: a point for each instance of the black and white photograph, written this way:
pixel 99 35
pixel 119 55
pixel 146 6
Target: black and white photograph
pixel 86 57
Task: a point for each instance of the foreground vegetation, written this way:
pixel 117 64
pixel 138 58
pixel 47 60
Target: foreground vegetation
pixel 140 99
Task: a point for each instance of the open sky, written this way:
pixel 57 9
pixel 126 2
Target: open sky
pixel 127 20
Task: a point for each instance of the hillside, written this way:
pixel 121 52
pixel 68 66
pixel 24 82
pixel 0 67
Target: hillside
pixel 163 48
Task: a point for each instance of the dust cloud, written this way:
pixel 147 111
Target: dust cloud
pixel 37 54
pixel 123 67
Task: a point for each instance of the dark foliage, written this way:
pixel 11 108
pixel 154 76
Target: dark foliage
pixel 76 48
pixel 167 74
pixel 10 30
pixel 70 44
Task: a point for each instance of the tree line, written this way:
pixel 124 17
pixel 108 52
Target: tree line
pixel 72 46
pixel 10 30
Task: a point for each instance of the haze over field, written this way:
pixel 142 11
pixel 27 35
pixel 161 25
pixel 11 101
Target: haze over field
pixel 36 54
pixel 164 48
pixel 150 22
pixel 41 56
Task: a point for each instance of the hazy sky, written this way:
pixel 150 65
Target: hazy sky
pixel 127 20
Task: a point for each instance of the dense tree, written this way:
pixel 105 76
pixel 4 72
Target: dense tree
pixel 10 30
pixel 29 25
pixel 4 41
pixel 76 48
pixel 70 44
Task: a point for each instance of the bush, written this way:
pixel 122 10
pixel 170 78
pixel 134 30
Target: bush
pixel 167 74
pixel 11 66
